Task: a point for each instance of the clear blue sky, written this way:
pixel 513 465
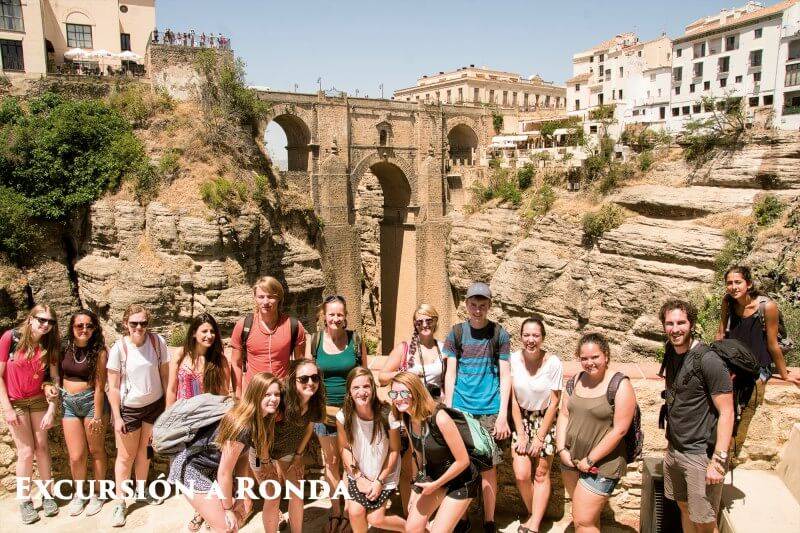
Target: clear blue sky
pixel 359 44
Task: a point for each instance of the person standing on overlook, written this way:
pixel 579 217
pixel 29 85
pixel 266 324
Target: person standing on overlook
pixel 700 417
pixel 266 339
pixel 478 382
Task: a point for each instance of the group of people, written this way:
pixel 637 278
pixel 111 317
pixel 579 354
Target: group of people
pixel 290 386
pixel 190 39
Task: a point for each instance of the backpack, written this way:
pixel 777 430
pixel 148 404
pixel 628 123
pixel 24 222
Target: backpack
pixel 16 337
pixel 784 341
pixel 743 366
pixel 180 423
pixel 634 438
pixel 153 340
pixel 248 325
pixel 479 443
pixel 458 332
pixel 316 340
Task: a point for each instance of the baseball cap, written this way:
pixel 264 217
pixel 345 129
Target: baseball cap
pixel 479 289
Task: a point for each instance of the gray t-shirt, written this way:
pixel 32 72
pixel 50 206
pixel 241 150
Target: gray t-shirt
pixel 692 417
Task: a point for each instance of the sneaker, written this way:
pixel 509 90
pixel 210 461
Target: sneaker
pixel 49 507
pixel 149 499
pixel 28 513
pixel 489 527
pixel 118 515
pixel 76 506
pixel 94 506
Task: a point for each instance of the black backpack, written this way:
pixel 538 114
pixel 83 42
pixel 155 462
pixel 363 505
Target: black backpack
pixel 316 340
pixel 458 333
pixel 248 325
pixel 784 341
pixel 634 438
pixel 16 337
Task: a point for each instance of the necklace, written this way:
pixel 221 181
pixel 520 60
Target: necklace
pixel 75 358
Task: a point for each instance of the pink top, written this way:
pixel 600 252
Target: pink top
pixel 190 383
pixel 23 377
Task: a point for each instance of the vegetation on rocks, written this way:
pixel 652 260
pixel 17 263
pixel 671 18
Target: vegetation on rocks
pixel 723 130
pixel 223 194
pixel 596 223
pixel 768 210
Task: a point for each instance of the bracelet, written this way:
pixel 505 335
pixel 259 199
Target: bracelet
pixel 564 449
pixel 227 508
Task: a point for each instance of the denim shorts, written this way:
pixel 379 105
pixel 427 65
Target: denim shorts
pixel 324 430
pixel 602 486
pixel 81 405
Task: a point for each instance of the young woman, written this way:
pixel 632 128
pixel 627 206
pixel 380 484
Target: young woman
pixel 294 424
pixel 590 433
pixel 86 410
pixel 268 345
pixel 28 361
pixel 138 370
pixel 446 479
pixel 536 378
pixel 200 365
pixel 421 356
pixel 336 351
pixel 370 454
pixel 249 424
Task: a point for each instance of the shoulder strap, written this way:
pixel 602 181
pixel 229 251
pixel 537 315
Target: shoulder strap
pixel 613 387
pixel 156 345
pixel 762 306
pixel 496 329
pixel 357 348
pixel 316 340
pixel 293 327
pixel 458 332
pixel 248 325
pixel 15 338
pixel 570 386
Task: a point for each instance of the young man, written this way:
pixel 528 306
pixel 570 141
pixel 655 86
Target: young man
pixel 698 430
pixel 478 382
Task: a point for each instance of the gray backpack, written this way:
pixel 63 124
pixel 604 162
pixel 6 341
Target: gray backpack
pixel 180 423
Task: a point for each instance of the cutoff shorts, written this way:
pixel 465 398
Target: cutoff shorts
pixel 685 481
pixel 81 405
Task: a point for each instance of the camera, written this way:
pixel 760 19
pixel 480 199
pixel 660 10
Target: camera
pixel 434 390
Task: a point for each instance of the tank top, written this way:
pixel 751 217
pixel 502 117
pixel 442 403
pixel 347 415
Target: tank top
pixel 750 331
pixel 437 455
pixel 75 365
pixel 334 368
pixel 190 383
pixel 590 419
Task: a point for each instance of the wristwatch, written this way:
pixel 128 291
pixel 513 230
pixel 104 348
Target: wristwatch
pixel 589 462
pixel 722 456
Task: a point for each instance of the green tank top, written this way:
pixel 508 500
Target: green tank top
pixel 335 368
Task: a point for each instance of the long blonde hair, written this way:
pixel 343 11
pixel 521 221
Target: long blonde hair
pixel 49 342
pixel 246 416
pixel 422 403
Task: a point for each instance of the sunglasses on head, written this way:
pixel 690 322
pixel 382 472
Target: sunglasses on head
pixel 48 321
pixel 135 324
pixel 424 322
pixel 313 378
pixel 393 394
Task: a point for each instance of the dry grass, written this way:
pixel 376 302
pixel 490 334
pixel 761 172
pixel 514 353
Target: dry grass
pixel 725 221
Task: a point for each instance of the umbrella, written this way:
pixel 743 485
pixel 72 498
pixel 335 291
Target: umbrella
pixel 100 53
pixel 127 55
pixel 76 53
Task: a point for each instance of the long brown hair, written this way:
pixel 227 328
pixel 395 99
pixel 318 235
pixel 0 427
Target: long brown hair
pixel 246 416
pixel 95 346
pixel 422 403
pixel 316 404
pixel 379 424
pixel 213 375
pixel 48 343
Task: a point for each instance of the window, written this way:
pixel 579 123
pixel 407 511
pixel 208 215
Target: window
pixel 714 46
pixel 577 104
pixel 794 50
pixel 755 58
pixel 460 94
pixel 662 112
pixel 514 99
pixel 738 79
pixel 678 89
pixel 756 77
pixel 476 95
pixel 724 64
pixel 547 101
pixel 608 73
pixel 125 41
pixel 753 101
pixel 79 36
pixel 505 97
pixel 448 95
pixel 11 55
pixel 383 137
pixel 706 85
pixel 696 108
pixel 11 15
pixel 591 59
pixel 621 72
pixel 758 33
pixel 577 87
pixel 792 75
pixel 600 59
pixel 677 74
pixel 768 99
pixel 635 112
pixel 723 82
pixel 731 43
pixel 678 52
pixel 691 88
pixel 491 96
pixel 525 98
pixel 620 94
pixel 699 50
pixel 697 70
pixel 639 53
pixel 600 99
pixel 592 129
pixel 685 109
pixel 676 111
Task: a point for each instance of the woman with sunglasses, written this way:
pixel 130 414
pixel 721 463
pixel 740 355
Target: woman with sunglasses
pixel 446 479
pixel 86 410
pixel 370 446
pixel 336 351
pixel 138 370
pixel 28 361
pixel 304 404
pixel 421 356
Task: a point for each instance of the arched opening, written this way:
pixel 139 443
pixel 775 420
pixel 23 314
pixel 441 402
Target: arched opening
pixel 290 144
pixel 463 142
pixel 388 254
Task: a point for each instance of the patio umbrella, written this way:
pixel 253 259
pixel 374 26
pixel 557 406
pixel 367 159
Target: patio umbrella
pixel 76 53
pixel 100 53
pixel 127 55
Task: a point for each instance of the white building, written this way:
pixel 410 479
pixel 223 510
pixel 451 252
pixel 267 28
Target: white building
pixel 751 53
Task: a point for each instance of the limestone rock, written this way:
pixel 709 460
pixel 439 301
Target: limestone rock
pixel 684 202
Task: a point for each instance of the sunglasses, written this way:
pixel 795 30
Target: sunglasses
pixel 134 324
pixel 88 326
pixel 313 378
pixel 425 322
pixel 48 321
pixel 393 394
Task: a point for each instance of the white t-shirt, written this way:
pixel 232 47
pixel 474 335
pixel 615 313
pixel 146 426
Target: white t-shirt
pixel 140 382
pixel 433 371
pixel 372 455
pixel 533 392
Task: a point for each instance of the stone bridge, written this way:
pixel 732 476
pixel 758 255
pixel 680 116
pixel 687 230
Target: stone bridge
pixel 377 171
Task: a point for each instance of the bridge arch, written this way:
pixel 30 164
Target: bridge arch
pixel 403 165
pixel 463 143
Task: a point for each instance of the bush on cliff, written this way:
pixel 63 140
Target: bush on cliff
pixel 596 223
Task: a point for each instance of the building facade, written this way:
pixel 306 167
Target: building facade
pixel 483 86
pixel 35 34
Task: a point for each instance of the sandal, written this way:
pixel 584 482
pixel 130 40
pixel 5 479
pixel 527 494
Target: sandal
pixel 196 523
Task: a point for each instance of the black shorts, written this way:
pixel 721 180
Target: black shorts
pixel 464 486
pixel 134 417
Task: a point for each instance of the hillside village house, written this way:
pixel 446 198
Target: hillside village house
pixel 35 34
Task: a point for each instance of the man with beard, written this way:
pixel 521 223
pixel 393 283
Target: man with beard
pixel 700 417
